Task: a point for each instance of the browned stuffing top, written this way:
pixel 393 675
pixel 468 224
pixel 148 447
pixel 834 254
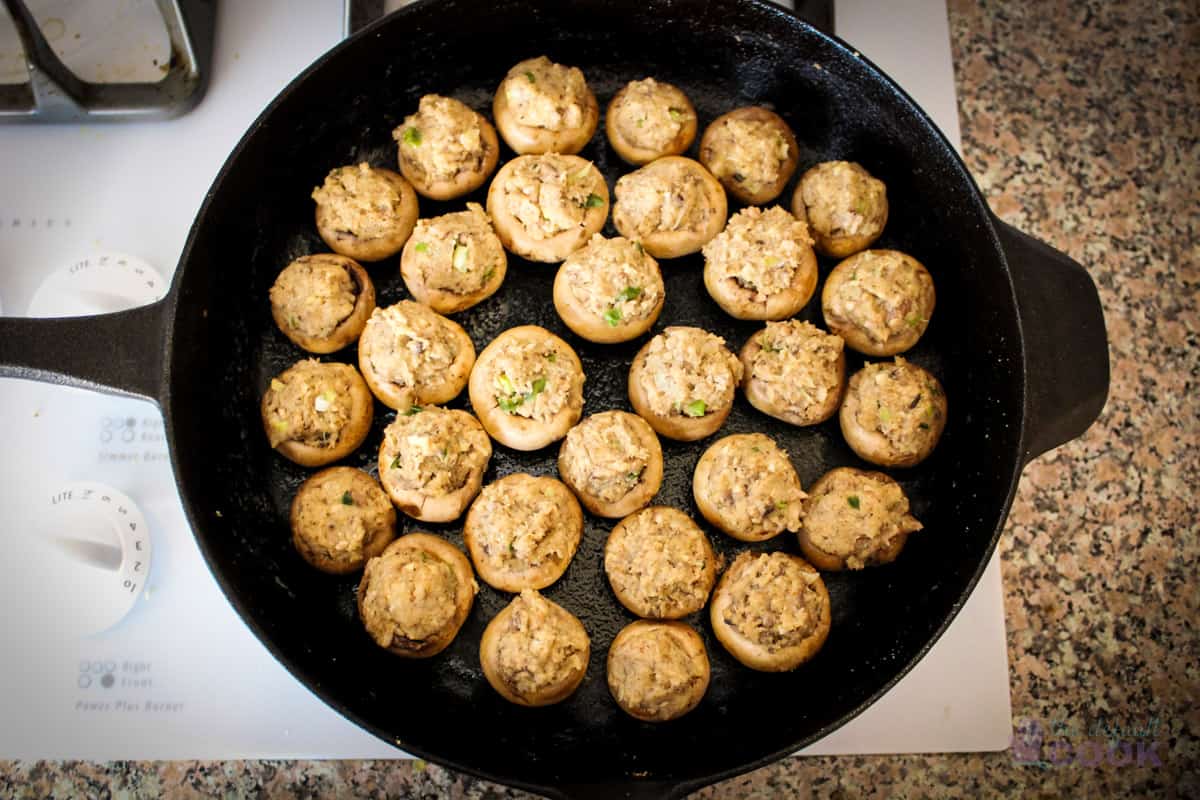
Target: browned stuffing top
pixel 650 115
pixel 359 201
pixel 310 402
pixel 458 252
pixel 842 199
pixel 444 138
pixel 659 557
pixel 753 485
pixel 689 372
pixel 614 279
pixel 315 294
pixel 854 516
pixel 543 94
pixel 541 648
pixel 773 602
pixel 411 595
pixel 796 365
pixel 430 450
pixel 760 251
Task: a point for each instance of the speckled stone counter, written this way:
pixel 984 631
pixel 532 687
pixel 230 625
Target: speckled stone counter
pixel 1080 122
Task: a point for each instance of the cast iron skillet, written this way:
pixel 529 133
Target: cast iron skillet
pixel 1018 340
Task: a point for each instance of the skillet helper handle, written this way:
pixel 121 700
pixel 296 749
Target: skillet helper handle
pixel 1066 344
pixel 119 353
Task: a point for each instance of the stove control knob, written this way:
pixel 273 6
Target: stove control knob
pixel 98 284
pixel 94 549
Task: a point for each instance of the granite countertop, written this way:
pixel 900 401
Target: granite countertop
pixel 1081 123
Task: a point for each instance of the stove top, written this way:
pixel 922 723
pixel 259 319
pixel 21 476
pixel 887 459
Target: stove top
pixel 124 647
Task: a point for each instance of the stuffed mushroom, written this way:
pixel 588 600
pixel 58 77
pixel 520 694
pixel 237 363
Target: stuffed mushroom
pixel 771 611
pixel 752 152
pixel 414 598
pixel 853 519
pixel 432 460
pixel 544 107
pixel 660 564
pixel 893 414
pixel 446 149
pixel 846 208
pixel 534 652
pixel 762 266
pixel 411 355
pixel 649 119
pixel 315 413
pixel 365 212
pixel 527 388
pixel 794 371
pixel 745 485
pixel 673 206
pixel 454 261
pixel 522 532
pixel 340 519
pixel 321 302
pixel 610 290
pixel 545 207
pixel 683 382
pixel 613 462
pixel 657 671
pixel 879 301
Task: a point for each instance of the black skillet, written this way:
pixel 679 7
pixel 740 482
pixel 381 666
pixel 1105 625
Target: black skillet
pixel 1017 339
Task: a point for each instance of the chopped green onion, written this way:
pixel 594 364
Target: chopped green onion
pixel 422 247
pixel 551 356
pixel 613 317
pixel 594 201
pixel 676 113
pixel 412 137
pixel 633 476
pixel 853 501
pixel 505 384
pixel 771 261
pixel 347 500
pixel 628 293
pixel 923 426
pixel 641 122
pixel 781 505
pixel 460 257
pixel 396 462
pixel 529 77
pixel 487 276
pixel 639 247
pixel 539 386
pixel 696 408
pixel 916 321
pixel 413 409
pixel 885 414
pixel 509 404
pixel 293 322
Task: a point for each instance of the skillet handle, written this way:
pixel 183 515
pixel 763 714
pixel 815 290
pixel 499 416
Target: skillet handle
pixel 1066 345
pixel 119 353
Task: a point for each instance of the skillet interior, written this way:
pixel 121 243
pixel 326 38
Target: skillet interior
pixel 225 349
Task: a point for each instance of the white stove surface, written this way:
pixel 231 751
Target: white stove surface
pixel 180 676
